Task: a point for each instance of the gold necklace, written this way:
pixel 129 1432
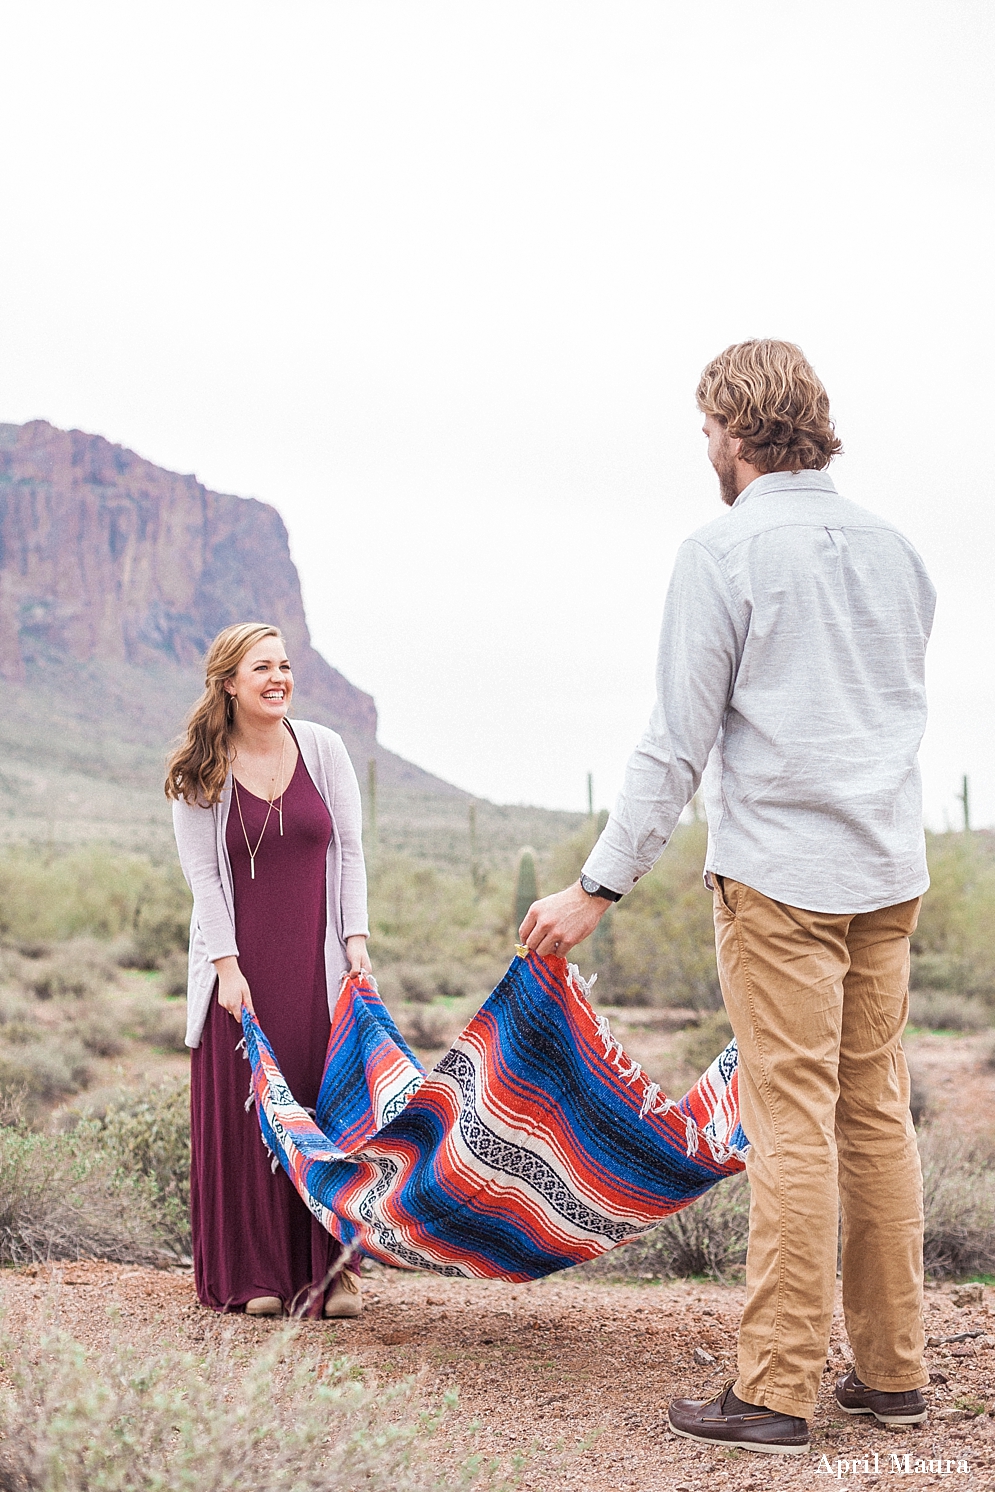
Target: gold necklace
pixel 238 803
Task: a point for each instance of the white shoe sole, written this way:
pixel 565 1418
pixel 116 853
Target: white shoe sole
pixel 889 1419
pixel 746 1445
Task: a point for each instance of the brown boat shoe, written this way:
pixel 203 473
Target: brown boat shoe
pixel 728 1421
pixel 854 1397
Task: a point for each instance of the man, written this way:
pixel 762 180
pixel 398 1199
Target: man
pixel 791 661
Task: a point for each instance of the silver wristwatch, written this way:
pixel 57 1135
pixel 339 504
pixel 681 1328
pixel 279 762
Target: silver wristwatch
pixel 593 889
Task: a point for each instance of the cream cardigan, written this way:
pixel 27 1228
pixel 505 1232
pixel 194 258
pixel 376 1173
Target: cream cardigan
pixel 200 840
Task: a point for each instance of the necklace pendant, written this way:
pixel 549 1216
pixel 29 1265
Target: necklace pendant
pixel 252 867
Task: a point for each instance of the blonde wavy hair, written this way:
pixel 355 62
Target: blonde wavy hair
pixel 198 768
pixel 767 395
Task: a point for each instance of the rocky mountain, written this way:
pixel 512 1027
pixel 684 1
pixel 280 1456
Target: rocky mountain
pixel 114 577
pixel 116 574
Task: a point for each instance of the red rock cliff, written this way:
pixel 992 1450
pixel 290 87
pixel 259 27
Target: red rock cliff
pixel 105 558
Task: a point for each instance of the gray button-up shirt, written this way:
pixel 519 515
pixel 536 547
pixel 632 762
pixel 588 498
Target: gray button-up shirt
pixel 791 661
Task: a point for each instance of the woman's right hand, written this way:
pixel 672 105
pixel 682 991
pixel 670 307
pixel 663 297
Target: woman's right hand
pixel 233 987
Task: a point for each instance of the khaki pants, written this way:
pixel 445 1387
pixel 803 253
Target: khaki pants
pixel 818 1003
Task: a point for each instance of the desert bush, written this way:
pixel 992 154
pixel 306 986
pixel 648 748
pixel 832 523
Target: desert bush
pixel 701 1044
pixel 147 1134
pixel 51 895
pixel 80 968
pixel 61 1010
pixel 952 947
pixel 423 919
pixel 945 1010
pixel 661 950
pixel 282 1417
pixel 428 1027
pixel 422 984
pixel 65 1197
pixel 100 1033
pixel 174 974
pixel 161 1023
pixel 45 1066
pixel 959 1203
pixel 707 1239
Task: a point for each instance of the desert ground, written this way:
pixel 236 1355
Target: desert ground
pixel 574 1376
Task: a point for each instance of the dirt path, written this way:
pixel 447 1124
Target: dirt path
pixel 576 1374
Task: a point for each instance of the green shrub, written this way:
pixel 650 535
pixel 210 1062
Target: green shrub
pixel 952 947
pixel 421 985
pixel 435 932
pixel 49 896
pixel 283 1416
pixel 147 1134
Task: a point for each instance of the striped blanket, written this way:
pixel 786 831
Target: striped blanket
pixel 533 1145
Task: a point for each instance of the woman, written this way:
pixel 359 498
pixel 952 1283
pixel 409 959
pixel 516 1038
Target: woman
pixel 268 824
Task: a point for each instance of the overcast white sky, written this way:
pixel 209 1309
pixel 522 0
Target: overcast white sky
pixel 437 280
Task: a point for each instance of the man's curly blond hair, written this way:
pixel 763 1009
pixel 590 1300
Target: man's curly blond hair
pixel 767 395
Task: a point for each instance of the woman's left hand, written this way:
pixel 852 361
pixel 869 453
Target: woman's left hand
pixel 359 959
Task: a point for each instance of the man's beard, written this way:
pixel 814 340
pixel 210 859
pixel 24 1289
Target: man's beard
pixel 725 470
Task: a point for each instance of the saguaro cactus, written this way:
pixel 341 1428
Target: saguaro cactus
pixel 603 954
pixel 526 884
pixel 371 803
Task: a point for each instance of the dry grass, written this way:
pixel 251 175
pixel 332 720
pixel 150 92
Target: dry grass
pixel 959 1195
pixel 946 1010
pixel 66 1197
pixel 280 1418
pixel 705 1241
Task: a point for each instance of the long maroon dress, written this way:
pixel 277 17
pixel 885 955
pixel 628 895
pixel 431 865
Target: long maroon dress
pixel 252 1234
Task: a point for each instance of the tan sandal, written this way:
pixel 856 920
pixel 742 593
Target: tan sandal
pixel 264 1305
pixel 346 1299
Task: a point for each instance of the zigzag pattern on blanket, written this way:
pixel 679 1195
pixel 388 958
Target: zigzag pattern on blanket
pixel 533 1145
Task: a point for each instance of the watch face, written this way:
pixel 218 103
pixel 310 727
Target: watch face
pixel 588 885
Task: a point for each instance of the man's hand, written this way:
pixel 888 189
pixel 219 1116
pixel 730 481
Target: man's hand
pixel 558 923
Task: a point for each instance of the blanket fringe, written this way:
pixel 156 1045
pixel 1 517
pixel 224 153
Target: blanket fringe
pixel 369 979
pixel 654 1102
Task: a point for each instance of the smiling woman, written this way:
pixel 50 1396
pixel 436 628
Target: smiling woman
pixel 268 826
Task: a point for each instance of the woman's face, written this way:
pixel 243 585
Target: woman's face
pixel 263 684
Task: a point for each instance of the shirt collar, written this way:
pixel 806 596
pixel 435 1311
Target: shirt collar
pixel 787 481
